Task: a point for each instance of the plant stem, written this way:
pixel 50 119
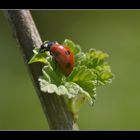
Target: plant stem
pixel 25 32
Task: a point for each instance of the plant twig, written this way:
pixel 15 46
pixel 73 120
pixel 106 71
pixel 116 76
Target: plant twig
pixel 25 31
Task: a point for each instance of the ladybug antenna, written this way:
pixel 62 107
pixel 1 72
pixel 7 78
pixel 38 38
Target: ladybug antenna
pixel 46 46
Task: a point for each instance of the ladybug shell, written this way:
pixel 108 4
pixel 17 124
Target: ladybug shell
pixel 63 56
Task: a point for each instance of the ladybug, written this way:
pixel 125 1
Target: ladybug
pixel 61 54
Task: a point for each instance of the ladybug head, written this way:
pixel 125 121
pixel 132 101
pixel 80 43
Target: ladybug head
pixel 46 46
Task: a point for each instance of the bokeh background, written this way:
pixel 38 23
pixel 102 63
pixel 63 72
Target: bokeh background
pixel 116 32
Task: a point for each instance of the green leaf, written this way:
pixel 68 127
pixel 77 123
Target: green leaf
pixel 72 88
pixel 86 80
pixel 73 47
pixel 46 86
pixel 89 86
pixel 62 90
pixel 86 95
pixel 51 76
pixel 94 58
pixel 107 77
pixel 75 103
pixel 80 57
pixel 38 58
pixel 82 73
pixel 104 74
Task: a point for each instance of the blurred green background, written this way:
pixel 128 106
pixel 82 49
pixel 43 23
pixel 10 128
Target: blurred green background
pixel 116 32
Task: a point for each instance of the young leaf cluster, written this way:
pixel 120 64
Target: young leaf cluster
pixel 90 71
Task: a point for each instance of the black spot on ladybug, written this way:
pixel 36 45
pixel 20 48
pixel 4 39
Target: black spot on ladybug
pixel 56 53
pixel 67 52
pixel 68 65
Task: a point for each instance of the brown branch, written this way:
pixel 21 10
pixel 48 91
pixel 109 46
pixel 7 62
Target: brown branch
pixel 26 33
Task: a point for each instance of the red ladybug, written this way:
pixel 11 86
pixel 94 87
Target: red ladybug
pixel 61 54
